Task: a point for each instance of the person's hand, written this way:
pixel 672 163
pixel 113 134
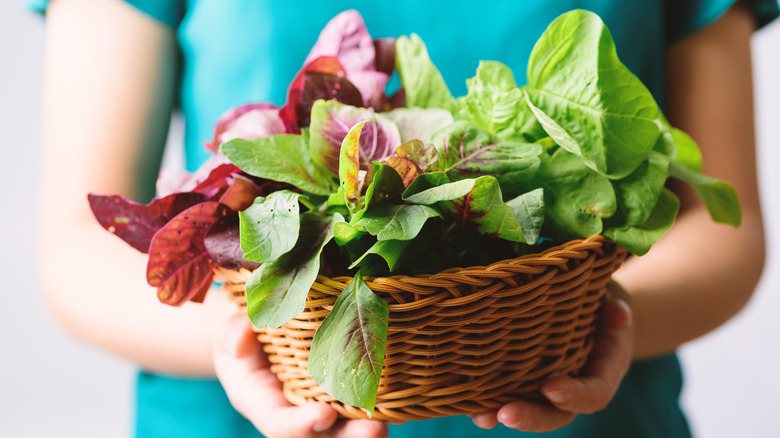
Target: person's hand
pixel 242 368
pixel 588 393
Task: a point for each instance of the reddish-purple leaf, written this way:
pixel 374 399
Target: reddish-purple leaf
pixel 217 181
pixel 289 112
pixel 405 167
pixel 346 38
pixel 325 86
pixel 241 193
pixel 223 243
pixel 136 223
pixel 179 265
pixel 247 121
pixel 384 50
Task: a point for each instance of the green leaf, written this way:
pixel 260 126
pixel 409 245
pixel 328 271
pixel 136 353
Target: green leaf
pixel 423 85
pixel 719 196
pixel 688 153
pixel 392 251
pixel 493 101
pixel 639 239
pixel 385 185
pixel 276 292
pixel 430 188
pixel 638 193
pixel 284 158
pixel 576 197
pixel 577 80
pixel 389 221
pixel 348 350
pixel 483 208
pixel 269 227
pixel 529 211
pixel 349 163
pixel 343 233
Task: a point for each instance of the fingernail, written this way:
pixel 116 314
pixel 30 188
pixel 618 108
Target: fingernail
pixel 623 304
pixel 321 425
pixel 556 397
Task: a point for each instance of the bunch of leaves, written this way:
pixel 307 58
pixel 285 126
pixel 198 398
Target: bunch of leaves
pixel 581 149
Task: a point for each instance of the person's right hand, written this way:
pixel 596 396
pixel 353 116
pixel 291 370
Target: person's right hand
pixel 255 392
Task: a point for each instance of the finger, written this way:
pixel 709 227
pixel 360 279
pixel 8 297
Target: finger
pixel 606 366
pixel 485 420
pixel 533 417
pixel 256 392
pixel 360 429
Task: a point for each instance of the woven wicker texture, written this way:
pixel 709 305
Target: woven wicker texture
pixel 462 341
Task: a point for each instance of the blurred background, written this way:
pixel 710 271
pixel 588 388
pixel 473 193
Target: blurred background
pixel 52 385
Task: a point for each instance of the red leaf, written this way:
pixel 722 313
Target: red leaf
pixel 179 265
pixel 289 112
pixel 136 223
pixel 241 193
pixel 228 120
pixel 217 181
pixel 223 242
pixel 405 167
pixel 325 86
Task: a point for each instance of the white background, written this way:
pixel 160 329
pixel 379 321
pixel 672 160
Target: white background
pixel 51 385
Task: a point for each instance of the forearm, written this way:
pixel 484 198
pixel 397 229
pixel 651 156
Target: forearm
pixel 108 92
pixel 697 277
pixel 95 286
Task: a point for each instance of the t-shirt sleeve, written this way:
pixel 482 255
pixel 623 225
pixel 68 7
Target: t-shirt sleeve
pixel 168 12
pixel 688 16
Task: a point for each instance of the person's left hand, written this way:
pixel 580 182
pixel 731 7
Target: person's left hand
pixel 591 391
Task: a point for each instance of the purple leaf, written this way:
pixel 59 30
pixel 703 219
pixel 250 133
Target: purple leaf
pixel 346 38
pixel 241 193
pixel 224 246
pixel 384 49
pixel 247 121
pixel 179 265
pixel 217 181
pixel 331 121
pixel 136 223
pixel 371 85
pixel 289 112
pixel 325 86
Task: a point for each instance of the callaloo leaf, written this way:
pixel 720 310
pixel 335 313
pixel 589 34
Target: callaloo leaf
pixel 424 155
pixel 179 265
pixel 392 251
pixel 529 211
pixel 343 233
pixel 284 158
pixel 385 185
pixel 330 123
pixel 349 163
pixel 318 86
pixel 423 85
pixel 483 208
pixel 223 243
pixel 241 193
pixel 493 100
pixel 687 151
pixel 419 123
pixel 277 291
pixel 269 228
pixel 576 198
pixel 389 221
pixel 719 196
pixel 348 350
pixel 638 193
pixel 136 223
pixel 577 80
pixel 430 188
pixel 639 239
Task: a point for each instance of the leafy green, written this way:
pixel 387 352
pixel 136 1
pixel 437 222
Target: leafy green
pixel 719 196
pixel 423 85
pixel 639 239
pixel 276 293
pixel 604 112
pixel 348 350
pixel 269 227
pixel 389 221
pixel 282 157
pixel 493 101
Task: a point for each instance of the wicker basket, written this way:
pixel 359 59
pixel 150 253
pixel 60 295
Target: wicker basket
pixel 464 340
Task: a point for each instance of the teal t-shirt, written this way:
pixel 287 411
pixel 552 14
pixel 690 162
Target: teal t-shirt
pixel 243 51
